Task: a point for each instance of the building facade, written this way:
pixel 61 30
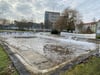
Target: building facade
pixel 86 27
pixel 50 19
pixel 5 22
pixel 91 26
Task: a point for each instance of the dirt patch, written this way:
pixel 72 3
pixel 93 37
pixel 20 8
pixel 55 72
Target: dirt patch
pixel 57 48
pixel 57 53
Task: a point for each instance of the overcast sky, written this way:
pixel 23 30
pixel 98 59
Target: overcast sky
pixel 35 9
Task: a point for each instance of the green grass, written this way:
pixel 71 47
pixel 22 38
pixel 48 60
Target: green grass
pixel 92 67
pixel 97 37
pixel 5 62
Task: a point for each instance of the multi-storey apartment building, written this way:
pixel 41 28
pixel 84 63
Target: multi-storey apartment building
pixel 50 19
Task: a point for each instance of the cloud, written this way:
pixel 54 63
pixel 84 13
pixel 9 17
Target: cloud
pixel 15 9
pixel 5 7
pixel 25 9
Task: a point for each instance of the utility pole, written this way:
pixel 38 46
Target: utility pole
pixel 98 35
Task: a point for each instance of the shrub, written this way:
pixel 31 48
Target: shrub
pixel 55 32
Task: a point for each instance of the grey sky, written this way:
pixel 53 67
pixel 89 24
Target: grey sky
pixel 16 9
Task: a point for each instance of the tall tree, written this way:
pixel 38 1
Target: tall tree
pixel 68 20
pixel 80 26
pixel 23 25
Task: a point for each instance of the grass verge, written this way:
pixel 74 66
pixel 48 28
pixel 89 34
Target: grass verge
pixel 6 67
pixel 91 67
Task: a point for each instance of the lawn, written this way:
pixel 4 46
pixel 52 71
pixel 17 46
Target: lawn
pixel 6 67
pixel 91 67
pixel 15 30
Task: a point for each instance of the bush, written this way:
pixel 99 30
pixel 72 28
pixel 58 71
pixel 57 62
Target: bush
pixel 89 31
pixel 55 32
pixel 97 37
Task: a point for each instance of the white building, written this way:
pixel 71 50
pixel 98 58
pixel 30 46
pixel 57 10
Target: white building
pixel 91 25
pixel 4 22
pixel 86 27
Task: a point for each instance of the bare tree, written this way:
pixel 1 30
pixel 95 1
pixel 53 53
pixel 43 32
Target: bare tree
pixel 23 24
pixel 88 30
pixel 67 20
pixel 59 25
pixel 80 26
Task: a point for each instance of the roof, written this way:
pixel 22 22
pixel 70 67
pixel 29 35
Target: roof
pixel 90 23
pixel 52 12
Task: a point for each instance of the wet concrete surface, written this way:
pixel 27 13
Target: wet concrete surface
pixel 30 57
